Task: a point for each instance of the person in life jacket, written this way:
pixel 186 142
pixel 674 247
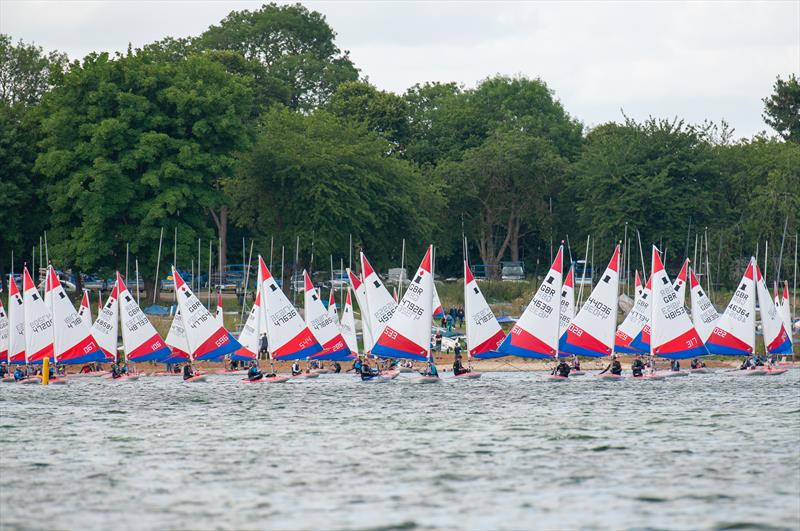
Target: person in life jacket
pixel 675 366
pixel 431 370
pixel 697 364
pixel 615 367
pixel 253 373
pixel 336 367
pixel 759 362
pixel 18 374
pixel 357 364
pixel 296 369
pixel 3 370
pixel 575 363
pixel 367 371
pixel 562 369
pixel 263 345
pixel 188 372
pixel 115 371
pixel 747 363
pixel 458 367
pixel 637 367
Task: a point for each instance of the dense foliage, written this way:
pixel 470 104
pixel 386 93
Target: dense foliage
pixel 263 122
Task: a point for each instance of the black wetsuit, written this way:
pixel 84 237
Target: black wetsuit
pixel 336 367
pixel 563 369
pixel 458 368
pixel 187 372
pixel 637 367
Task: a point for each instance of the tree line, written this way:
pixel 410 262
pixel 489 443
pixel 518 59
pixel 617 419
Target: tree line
pixel 262 127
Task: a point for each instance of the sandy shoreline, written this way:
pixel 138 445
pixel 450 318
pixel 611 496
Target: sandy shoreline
pixel 445 361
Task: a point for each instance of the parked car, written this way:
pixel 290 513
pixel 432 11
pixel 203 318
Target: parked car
pixel 92 282
pixel 396 275
pixel 512 271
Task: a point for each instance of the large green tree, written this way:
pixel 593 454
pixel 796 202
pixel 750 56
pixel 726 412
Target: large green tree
pixel 383 112
pixel 295 45
pixel 26 73
pixel 135 143
pixel 658 175
pixel 782 108
pixel 322 178
pixel 503 187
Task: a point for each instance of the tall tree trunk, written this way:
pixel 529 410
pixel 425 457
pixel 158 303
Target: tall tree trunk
pixel 514 242
pixel 78 282
pixel 221 221
pixel 150 286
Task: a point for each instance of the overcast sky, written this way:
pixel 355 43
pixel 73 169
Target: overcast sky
pixel 695 60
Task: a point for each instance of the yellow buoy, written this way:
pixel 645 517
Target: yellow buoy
pixel 45 371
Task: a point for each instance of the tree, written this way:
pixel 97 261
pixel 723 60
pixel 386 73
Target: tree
pixel 503 187
pixel 322 178
pixel 656 175
pixel 26 71
pixel 136 143
pixel 782 109
pixel 294 44
pixel 383 112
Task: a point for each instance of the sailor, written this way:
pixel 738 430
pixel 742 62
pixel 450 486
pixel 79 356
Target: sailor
pixel 188 372
pixel 263 345
pixel 575 363
pixel 697 364
pixel 458 367
pixel 254 373
pixel 296 368
pixel 615 367
pixel 457 349
pixel 357 364
pixel 431 370
pixel 3 370
pixel 747 363
pixel 637 367
pixel 336 367
pixel 675 366
pixel 562 369
pixel 115 371
pixel 367 371
pixel 18 374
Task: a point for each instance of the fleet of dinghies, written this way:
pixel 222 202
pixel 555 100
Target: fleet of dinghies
pixel 659 324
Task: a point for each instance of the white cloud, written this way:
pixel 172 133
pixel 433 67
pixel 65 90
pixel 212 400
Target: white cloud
pixel 693 60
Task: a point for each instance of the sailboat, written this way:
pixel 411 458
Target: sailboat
pixel 105 328
pixel 704 315
pixel 250 339
pixel 3 335
pixel 407 332
pixel 289 337
pixel 641 339
pixel 377 299
pixel 73 341
pixel 536 333
pixel 361 299
pixel 323 326
pixel 177 342
pixel 786 314
pixel 592 331
pixel 638 288
pixel 348 325
pixel 484 335
pixel 16 325
pixel 735 333
pixel 776 339
pixel 208 340
pixel 672 334
pixel 38 323
pixel 140 341
pixel 628 338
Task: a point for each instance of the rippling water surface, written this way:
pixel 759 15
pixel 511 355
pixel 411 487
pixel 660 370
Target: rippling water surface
pixel 507 451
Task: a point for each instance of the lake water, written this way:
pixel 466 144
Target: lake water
pixel 507 451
